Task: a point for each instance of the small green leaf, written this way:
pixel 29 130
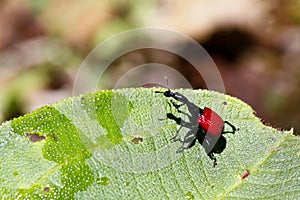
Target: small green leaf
pixel 116 145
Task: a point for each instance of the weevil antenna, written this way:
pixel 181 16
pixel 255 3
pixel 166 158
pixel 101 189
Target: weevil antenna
pixel 167 82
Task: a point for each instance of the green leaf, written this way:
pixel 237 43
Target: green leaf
pixel 116 145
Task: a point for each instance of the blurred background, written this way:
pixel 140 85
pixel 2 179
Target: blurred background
pixel 255 45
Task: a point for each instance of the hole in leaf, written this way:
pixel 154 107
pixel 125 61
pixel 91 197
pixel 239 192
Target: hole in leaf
pixel 34 137
pixel 46 189
pixel 137 140
pixel 271 139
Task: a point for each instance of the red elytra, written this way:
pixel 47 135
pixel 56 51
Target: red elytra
pixel 211 122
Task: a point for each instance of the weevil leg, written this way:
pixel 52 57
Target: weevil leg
pixel 232 127
pixel 179 121
pixel 177 106
pixel 212 156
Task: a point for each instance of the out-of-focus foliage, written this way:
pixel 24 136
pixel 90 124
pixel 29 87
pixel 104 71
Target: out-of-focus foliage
pixel 254 43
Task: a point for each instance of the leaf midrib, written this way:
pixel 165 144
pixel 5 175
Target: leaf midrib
pixel 254 169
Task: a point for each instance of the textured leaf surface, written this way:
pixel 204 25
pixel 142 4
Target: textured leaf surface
pixel 116 145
